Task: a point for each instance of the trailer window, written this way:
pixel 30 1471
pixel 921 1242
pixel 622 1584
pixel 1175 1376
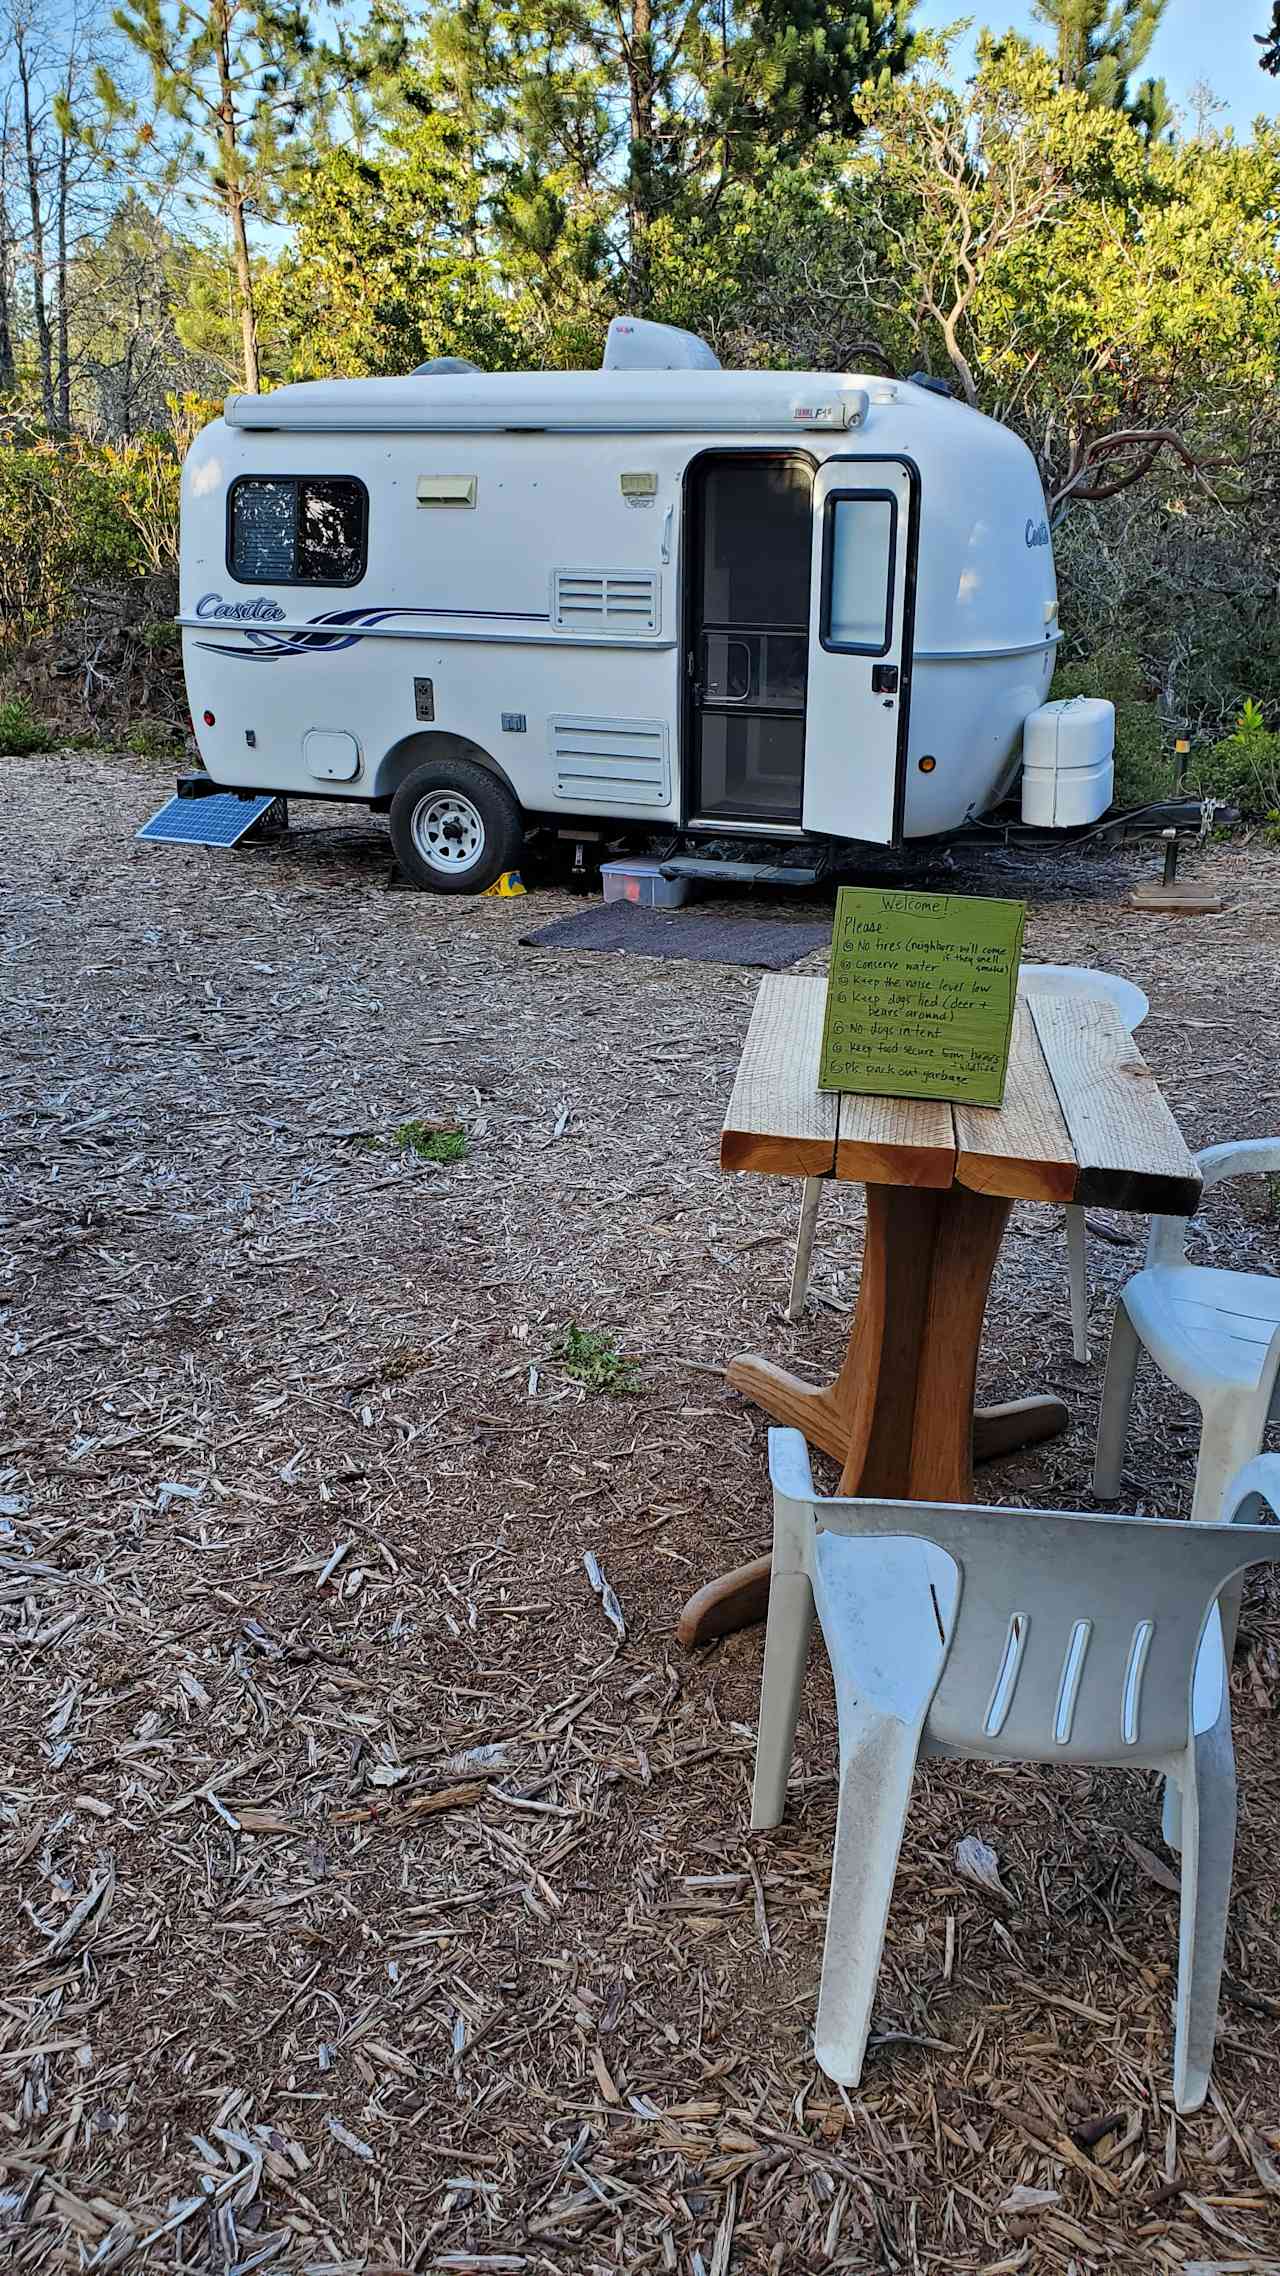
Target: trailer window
pixel 285 529
pixel 857 571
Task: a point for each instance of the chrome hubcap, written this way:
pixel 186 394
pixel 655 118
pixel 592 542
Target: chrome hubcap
pixel 448 831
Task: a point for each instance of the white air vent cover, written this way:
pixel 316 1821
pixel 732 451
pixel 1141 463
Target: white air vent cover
pixel 605 600
pixel 636 343
pixel 611 762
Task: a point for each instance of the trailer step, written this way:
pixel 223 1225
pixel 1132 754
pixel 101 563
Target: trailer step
pixel 219 818
pixel 737 872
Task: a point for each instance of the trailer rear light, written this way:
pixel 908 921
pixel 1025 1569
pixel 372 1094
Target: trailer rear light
pixel 208 719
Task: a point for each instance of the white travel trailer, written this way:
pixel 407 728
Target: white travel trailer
pixel 660 600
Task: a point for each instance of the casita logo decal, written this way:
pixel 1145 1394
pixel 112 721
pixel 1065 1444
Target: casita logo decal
pixel 259 611
pixel 1036 533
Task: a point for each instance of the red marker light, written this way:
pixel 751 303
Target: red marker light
pixel 208 718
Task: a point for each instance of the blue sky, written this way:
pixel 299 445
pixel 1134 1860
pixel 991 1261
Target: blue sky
pixel 1210 40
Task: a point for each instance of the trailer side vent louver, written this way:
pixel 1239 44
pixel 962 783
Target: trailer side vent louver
pixel 605 600
pixel 616 762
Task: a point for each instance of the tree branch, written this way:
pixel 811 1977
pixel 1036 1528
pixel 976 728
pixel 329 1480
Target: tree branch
pixel 1090 456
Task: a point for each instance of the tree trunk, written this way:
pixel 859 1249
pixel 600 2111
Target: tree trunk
pixel 126 391
pixel 8 366
pixel 63 273
pixel 233 199
pixel 39 306
pixel 640 161
pixel 960 363
pixel 244 293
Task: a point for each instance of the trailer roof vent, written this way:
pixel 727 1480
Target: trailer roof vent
pixel 440 365
pixel 634 344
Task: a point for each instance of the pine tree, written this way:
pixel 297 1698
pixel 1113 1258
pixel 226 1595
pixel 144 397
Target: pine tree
pixel 236 82
pixel 1099 45
pixel 603 117
pixel 1269 42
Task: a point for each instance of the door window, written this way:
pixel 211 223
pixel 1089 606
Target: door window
pixel 857 571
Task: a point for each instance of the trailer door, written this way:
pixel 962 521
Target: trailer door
pixel 861 591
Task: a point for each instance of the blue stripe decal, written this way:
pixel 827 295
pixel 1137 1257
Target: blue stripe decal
pixel 335 630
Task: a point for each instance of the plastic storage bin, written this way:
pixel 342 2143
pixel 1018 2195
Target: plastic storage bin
pixel 641 880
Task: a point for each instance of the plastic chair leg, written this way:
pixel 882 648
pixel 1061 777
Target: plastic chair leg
pixel 786 1648
pixel 1208 1848
pixel 1171 1814
pixel 810 1203
pixel 1117 1398
pixel 878 1763
pixel 1230 1436
pixel 1077 1274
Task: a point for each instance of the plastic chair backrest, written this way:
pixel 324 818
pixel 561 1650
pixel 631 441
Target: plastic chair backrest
pixel 1079 980
pixel 1074 1637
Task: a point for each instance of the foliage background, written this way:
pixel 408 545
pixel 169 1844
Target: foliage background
pixel 194 198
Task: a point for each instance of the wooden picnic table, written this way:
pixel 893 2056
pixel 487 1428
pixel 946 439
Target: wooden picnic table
pixel 1083 1121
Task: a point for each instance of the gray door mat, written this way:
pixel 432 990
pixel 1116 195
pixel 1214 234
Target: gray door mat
pixel 771 942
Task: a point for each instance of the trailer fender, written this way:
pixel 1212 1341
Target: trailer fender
pixel 430 743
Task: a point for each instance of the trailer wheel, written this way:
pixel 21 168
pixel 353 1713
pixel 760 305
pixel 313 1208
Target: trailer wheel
pixel 455 827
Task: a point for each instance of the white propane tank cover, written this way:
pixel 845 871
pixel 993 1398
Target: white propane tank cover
pixel 1068 766
pixel 634 344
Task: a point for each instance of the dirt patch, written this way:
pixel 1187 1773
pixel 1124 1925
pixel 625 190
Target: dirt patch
pixel 372 1905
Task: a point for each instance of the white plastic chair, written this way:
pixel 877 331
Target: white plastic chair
pixel 1215 1334
pixel 1020 1637
pixel 1047 980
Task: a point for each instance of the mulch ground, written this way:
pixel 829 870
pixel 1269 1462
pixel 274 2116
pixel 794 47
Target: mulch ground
pixel 370 1903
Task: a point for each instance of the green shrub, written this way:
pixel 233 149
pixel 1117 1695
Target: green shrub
pixel 429 1142
pixel 1144 766
pixel 79 516
pixel 1243 769
pixel 20 730
pixel 153 739
pixel 594 1360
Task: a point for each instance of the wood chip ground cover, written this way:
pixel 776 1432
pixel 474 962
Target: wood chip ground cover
pixel 371 1903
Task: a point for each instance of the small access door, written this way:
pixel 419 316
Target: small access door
pixel 862 586
pixel 750 521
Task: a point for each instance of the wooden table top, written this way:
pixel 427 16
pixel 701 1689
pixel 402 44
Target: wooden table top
pixel 1083 1118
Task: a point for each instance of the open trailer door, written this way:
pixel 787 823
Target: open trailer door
pixel 862 588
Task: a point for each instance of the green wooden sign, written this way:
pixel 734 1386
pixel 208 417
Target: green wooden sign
pixel 920 996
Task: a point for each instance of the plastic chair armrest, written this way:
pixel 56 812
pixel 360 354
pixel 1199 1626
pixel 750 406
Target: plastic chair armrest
pixel 1239 1157
pixel 790 1469
pixel 1255 1486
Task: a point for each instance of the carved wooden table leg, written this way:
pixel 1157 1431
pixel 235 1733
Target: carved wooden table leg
pixel 900 1414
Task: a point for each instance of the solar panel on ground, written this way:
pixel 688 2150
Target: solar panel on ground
pixel 220 820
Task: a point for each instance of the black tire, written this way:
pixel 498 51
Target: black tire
pixel 455 827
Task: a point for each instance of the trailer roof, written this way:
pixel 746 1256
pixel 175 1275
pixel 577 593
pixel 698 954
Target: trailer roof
pixel 579 402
